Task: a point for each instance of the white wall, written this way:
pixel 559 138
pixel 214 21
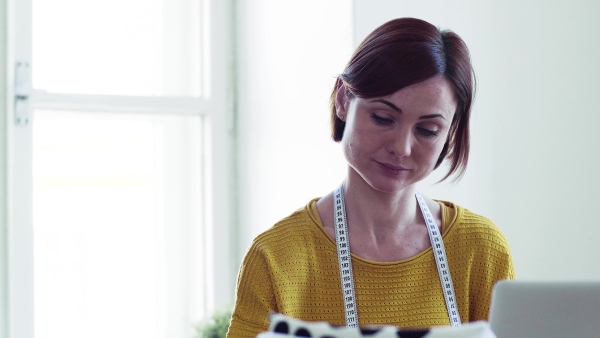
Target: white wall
pixel 535 168
pixel 288 56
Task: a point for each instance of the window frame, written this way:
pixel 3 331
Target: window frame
pixel 16 259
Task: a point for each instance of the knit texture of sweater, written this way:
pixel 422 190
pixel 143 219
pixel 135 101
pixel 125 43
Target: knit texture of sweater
pixel 292 268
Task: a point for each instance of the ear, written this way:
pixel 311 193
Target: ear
pixel 341 101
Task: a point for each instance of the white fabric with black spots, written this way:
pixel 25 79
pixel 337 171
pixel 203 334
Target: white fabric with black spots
pixel 283 326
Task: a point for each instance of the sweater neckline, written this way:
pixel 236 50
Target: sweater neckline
pixel 450 216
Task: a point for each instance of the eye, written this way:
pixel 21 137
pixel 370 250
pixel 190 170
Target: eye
pixel 428 132
pixel 381 120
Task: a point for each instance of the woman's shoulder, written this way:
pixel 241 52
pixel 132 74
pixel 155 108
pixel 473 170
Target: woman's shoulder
pixel 463 216
pixel 294 239
pixel 300 225
pixel 475 240
pixel 475 227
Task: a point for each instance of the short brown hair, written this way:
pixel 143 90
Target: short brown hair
pixel 403 52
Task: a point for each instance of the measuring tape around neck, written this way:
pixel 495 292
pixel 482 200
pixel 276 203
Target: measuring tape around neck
pixel 345 260
pixel 439 251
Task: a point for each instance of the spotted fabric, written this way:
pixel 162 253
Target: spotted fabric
pixel 283 326
pixel 293 327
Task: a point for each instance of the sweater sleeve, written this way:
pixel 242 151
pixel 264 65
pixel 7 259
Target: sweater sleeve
pixel 494 263
pixel 254 297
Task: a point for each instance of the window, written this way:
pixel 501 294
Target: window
pixel 120 47
pixel 117 224
pixel 120 157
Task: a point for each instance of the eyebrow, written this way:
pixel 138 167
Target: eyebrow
pixel 394 107
pixel 389 104
pixel 431 116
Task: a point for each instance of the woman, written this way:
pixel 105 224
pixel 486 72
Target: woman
pixel 400 109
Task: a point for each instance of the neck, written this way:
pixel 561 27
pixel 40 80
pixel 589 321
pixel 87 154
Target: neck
pixel 370 210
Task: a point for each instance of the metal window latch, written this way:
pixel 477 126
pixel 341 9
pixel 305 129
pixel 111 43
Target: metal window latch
pixel 22 93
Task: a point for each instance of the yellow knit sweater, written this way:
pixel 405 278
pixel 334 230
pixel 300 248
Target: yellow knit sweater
pixel 292 268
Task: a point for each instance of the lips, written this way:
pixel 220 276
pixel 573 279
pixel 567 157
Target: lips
pixel 392 169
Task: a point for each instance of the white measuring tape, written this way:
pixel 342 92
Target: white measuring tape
pixel 439 251
pixel 345 261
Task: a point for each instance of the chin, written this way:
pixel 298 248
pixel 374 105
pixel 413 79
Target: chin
pixel 389 186
pixel 385 183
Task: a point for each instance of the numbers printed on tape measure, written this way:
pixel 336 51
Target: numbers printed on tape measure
pixel 344 260
pixel 441 262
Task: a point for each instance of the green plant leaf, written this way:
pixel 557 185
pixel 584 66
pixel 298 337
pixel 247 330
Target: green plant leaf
pixel 216 326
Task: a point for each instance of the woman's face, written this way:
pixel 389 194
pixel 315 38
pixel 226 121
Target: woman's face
pixel 395 141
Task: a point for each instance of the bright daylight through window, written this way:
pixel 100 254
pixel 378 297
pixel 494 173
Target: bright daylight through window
pixel 117 182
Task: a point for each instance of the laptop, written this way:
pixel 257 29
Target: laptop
pixel 536 309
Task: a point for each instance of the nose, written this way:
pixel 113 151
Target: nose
pixel 400 143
